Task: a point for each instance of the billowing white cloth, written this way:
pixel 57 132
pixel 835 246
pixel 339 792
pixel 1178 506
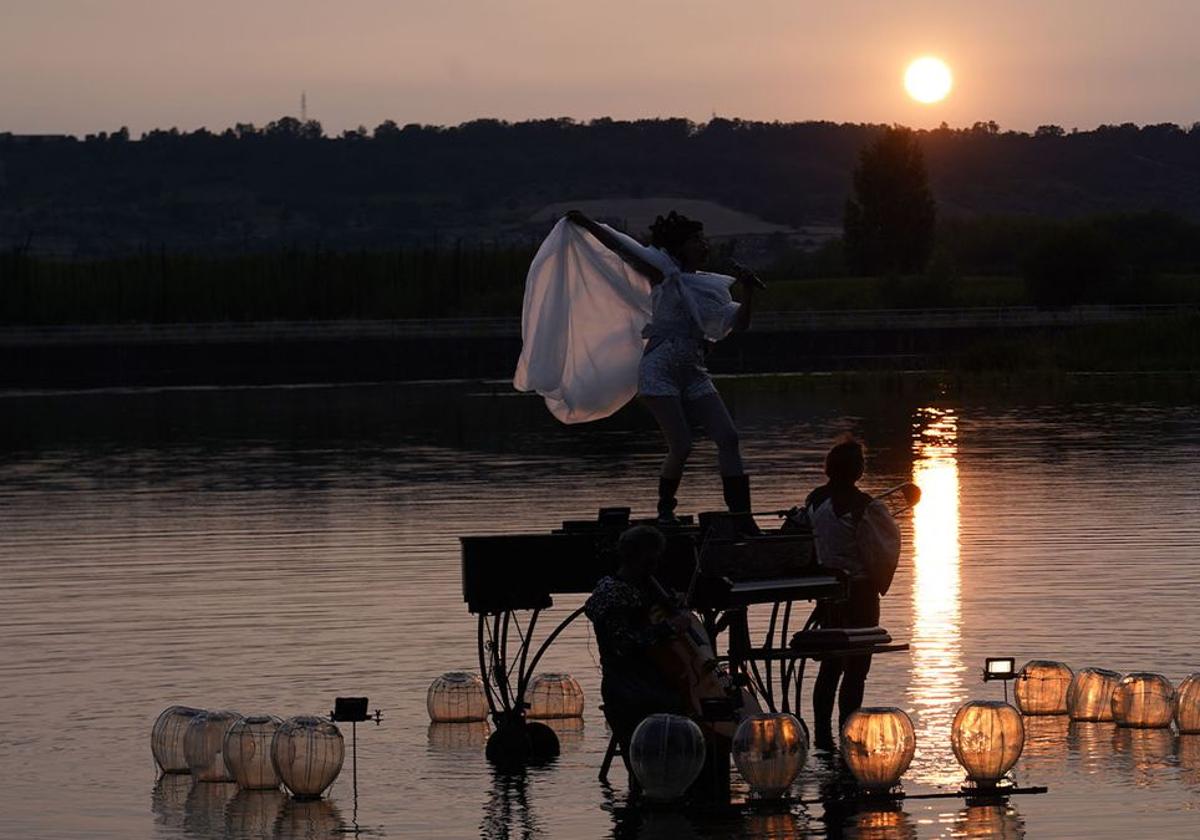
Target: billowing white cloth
pixel 583 318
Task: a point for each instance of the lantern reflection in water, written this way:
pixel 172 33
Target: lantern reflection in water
pixel 1089 696
pixel 166 738
pixel 1045 749
pixel 1187 705
pixel 935 687
pixel 470 736
pixel 204 745
pixel 988 822
pixel 1146 753
pixel 204 810
pixel 1041 687
pixel 769 750
pixel 987 738
pixel 883 824
pixel 1092 743
pixel 1144 700
pixel 310 819
pixel 878 745
pixel 569 732
pixel 168 800
pixel 253 813
pixel 1187 752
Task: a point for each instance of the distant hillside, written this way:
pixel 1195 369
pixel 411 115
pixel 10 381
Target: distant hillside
pixel 250 189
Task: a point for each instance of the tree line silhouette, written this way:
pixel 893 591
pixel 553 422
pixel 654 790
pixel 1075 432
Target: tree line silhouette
pixel 289 184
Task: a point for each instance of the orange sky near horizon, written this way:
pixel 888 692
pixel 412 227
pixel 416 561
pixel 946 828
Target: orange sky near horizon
pixel 87 65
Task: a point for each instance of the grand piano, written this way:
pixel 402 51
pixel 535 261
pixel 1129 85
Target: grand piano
pixel 510 580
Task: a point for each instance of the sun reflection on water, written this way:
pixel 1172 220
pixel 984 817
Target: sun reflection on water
pixel 935 686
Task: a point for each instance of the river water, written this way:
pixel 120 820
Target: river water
pixel 269 549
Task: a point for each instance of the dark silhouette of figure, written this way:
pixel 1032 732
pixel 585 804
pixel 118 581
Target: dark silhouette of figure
pixel 619 608
pixel 691 310
pixel 836 510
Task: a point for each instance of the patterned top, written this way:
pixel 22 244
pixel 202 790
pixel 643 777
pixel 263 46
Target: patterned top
pixel 620 614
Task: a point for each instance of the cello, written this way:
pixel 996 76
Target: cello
pixel 689 663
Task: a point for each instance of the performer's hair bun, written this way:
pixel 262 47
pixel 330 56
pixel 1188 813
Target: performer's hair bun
pixel 670 232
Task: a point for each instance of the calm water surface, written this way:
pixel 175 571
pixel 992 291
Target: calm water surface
pixel 269 549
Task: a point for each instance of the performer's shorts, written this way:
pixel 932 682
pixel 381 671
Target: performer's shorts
pixel 675 368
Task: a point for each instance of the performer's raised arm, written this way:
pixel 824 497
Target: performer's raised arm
pixel 631 257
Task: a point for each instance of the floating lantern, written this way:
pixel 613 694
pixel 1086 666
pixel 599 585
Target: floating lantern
pixel 248 752
pixel 554 696
pixel 166 738
pixel 1187 706
pixel 204 745
pixel 987 738
pixel 1042 687
pixel 1144 701
pixel 456 697
pixel 307 753
pixel 1089 696
pixel 878 745
pixel 667 754
pixel 769 750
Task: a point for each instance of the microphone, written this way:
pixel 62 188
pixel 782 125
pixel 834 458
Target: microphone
pixel 753 279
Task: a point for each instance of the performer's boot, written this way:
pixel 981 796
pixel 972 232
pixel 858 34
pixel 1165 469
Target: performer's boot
pixel 666 500
pixel 737 498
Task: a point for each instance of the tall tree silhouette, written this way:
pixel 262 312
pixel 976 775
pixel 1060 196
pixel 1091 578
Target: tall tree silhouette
pixel 889 220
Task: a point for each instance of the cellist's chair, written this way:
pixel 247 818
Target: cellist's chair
pixel 615 748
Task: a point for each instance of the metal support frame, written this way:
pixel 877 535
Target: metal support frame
pixel 504 698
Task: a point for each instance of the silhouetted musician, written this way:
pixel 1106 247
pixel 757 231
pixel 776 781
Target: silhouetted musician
pixel 619 608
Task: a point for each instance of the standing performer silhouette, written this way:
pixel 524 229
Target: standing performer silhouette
pixel 691 308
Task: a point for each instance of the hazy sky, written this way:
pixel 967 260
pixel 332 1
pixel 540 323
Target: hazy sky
pixel 86 65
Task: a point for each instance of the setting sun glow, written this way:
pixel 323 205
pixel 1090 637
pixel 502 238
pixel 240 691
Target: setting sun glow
pixel 928 80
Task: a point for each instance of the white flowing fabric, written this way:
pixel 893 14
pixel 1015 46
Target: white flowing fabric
pixel 583 316
pixel 581 326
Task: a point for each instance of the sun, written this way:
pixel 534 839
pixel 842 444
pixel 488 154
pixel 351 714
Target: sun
pixel 928 80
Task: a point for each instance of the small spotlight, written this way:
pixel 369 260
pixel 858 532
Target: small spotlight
pixel 999 668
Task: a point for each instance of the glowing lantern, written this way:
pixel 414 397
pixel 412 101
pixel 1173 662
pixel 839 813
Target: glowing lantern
pixel 248 752
pixel 667 754
pixel 1144 701
pixel 1187 706
pixel 1089 696
pixel 878 745
pixel 1042 687
pixel 166 738
pixel 308 754
pixel 456 697
pixel 769 750
pixel 987 738
pixel 554 696
pixel 204 745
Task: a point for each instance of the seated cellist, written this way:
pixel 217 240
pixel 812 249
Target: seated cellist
pixel 632 686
